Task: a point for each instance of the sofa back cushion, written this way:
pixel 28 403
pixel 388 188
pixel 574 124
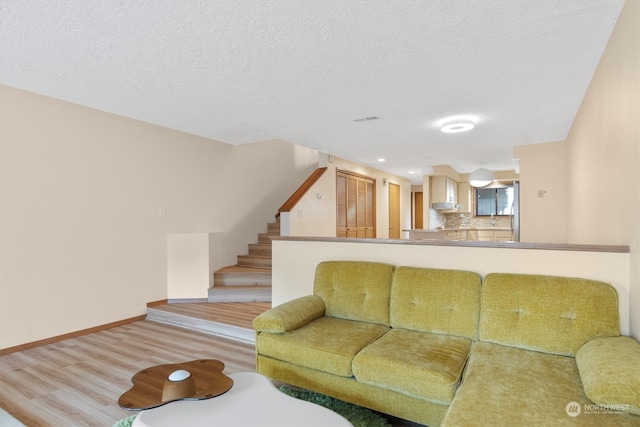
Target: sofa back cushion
pixel 546 313
pixel 435 300
pixel 355 290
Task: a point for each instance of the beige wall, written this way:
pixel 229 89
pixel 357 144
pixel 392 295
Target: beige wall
pixel 82 242
pixel 603 153
pixel 192 258
pixel 542 173
pixel 315 216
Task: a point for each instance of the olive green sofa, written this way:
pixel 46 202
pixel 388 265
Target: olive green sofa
pixel 445 347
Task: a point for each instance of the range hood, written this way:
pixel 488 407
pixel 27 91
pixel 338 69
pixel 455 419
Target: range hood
pixel 445 206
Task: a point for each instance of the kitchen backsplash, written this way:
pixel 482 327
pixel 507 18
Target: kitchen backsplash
pixel 438 219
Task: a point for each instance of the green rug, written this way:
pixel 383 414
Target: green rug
pixel 125 422
pixel 357 415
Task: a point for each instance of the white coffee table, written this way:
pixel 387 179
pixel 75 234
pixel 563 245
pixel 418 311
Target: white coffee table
pixel 253 401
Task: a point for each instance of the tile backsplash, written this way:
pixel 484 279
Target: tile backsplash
pixel 464 220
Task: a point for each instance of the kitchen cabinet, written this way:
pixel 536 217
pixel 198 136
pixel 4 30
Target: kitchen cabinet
pixel 462 234
pixel 465 197
pixel 502 236
pixel 427 234
pixel 456 235
pixel 443 190
pixel 494 235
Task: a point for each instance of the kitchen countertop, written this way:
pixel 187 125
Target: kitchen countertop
pixel 426 230
pixel 435 230
pixel 420 234
pixel 471 233
pixel 478 228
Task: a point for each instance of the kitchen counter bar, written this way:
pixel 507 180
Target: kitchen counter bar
pixel 466 243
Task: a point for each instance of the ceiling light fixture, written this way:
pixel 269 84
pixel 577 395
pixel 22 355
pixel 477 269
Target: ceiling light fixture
pixel 480 177
pixel 457 127
pixel 382 160
pixel 457 124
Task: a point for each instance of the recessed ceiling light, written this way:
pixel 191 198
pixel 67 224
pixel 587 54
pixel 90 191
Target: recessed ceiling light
pixel 411 172
pixel 457 124
pixel 382 160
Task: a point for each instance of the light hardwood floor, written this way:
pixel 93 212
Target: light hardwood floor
pixel 77 382
pixel 239 314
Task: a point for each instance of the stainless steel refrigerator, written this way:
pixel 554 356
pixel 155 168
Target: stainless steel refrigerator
pixel 515 212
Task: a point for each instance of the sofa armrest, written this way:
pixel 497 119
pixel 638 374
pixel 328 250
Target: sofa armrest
pixel 610 372
pixel 290 315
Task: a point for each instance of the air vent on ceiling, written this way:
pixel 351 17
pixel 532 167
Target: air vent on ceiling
pixel 366 119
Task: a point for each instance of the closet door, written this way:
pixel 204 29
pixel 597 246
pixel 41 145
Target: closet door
pixel 341 202
pixel 370 218
pixel 394 211
pixel 352 207
pixel 355 197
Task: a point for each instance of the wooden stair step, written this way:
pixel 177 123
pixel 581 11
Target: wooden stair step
pixel 239 294
pixel 260 249
pixel 258 261
pixel 273 228
pixel 242 276
pixel 266 237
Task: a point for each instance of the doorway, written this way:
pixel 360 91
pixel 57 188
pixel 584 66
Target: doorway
pixel 418 211
pixel 394 211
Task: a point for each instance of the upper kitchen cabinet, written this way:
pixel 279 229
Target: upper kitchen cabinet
pixel 465 195
pixel 443 190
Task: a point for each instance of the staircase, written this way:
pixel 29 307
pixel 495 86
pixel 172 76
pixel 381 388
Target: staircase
pixel 250 279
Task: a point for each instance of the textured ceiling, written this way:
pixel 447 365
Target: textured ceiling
pixel 240 71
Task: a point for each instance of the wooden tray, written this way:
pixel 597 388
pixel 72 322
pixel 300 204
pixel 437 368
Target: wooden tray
pixel 148 384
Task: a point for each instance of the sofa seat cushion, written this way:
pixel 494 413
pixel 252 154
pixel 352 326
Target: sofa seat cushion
pixel 327 344
pixel 507 386
pixel 414 363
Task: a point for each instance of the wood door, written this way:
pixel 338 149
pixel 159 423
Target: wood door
pixel 418 211
pixel 352 207
pixel 355 203
pixel 394 211
pixel 370 218
pixel 341 204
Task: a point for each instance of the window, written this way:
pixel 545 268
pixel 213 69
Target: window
pixel 494 201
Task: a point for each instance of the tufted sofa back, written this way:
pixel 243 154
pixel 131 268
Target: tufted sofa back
pixel 355 290
pixel 546 313
pixel 436 300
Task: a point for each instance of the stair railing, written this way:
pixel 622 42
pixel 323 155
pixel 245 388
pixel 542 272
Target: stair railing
pixel 304 187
